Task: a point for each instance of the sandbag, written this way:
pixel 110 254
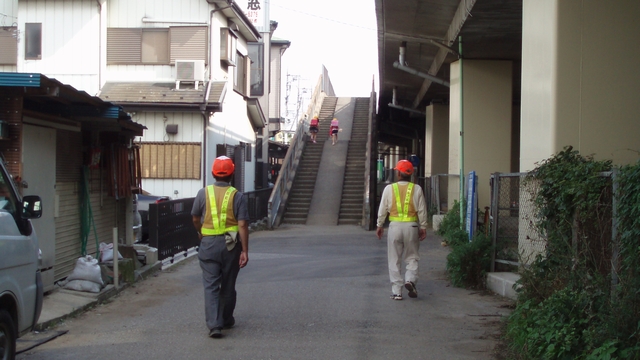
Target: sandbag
pixel 87 268
pixel 106 252
pixel 83 285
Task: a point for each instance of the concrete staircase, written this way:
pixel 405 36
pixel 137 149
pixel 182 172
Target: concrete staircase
pixel 307 172
pixel 353 185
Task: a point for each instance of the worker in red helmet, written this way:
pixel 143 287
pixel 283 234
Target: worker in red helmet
pixel 405 204
pixel 220 215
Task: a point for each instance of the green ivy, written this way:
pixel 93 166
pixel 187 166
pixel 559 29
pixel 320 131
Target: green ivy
pixel 567 307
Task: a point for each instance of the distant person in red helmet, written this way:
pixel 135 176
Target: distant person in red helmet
pixel 220 215
pixel 404 202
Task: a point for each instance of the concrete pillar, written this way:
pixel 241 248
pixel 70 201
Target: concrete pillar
pixel 487 111
pixel 580 80
pixel 436 140
pixel 579 87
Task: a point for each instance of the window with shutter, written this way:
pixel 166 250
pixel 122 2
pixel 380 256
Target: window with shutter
pixel 188 43
pixel 9 45
pixel 170 160
pixel 156 45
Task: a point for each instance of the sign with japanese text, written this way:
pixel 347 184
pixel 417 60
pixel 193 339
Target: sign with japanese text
pixel 255 10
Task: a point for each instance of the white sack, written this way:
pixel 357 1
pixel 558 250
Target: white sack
pixel 106 252
pixel 87 268
pixel 83 285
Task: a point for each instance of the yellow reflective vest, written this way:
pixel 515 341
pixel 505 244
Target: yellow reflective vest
pixel 403 211
pixel 220 218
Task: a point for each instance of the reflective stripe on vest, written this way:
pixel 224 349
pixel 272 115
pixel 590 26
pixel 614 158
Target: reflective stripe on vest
pixel 218 223
pixel 403 211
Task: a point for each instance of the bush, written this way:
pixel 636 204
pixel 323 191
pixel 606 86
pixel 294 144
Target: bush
pixel 451 221
pixel 469 262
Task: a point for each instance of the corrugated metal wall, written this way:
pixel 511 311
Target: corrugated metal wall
pixel 68 189
pixel 68 163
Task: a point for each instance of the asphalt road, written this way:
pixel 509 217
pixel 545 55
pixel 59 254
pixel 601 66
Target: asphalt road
pixel 308 292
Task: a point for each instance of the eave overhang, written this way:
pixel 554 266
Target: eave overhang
pixel 50 99
pixel 255 113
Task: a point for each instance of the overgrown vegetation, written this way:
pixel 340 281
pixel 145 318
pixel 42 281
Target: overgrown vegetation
pixel 468 262
pixel 572 302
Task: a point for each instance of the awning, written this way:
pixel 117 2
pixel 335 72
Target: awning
pixel 256 115
pixel 49 98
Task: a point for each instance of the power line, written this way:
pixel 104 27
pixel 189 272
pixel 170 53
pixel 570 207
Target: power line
pixel 324 18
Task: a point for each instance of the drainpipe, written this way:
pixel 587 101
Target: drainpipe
pixel 415 111
pixel 461 135
pixel 403 50
pixel 102 8
pixel 434 79
pixel 205 122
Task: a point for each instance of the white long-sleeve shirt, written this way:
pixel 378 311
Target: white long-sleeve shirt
pixel 418 202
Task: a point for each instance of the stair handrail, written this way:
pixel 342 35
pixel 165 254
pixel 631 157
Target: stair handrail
pixel 284 182
pixel 369 213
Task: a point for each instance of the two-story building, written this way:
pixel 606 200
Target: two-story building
pixel 182 69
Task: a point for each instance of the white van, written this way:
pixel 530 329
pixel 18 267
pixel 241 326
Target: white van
pixel 20 280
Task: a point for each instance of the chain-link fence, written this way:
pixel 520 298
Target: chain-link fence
pixel 518 241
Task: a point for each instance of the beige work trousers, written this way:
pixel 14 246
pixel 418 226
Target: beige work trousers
pixel 402 241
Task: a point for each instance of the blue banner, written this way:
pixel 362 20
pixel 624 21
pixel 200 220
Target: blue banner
pixel 471 201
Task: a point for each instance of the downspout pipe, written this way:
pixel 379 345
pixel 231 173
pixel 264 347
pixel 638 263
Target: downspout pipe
pixel 462 207
pixel 403 50
pixel 205 122
pixel 392 105
pixel 102 4
pixel 432 78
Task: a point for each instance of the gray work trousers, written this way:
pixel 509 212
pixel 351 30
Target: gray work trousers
pixel 402 239
pixel 220 269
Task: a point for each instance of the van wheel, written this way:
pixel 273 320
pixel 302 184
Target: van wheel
pixel 7 336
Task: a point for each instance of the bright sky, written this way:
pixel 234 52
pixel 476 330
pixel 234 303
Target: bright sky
pixel 339 34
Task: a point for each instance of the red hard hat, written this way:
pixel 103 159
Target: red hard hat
pixel 405 167
pixel 222 166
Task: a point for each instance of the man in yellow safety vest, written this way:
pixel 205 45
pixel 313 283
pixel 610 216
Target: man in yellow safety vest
pixel 405 204
pixel 219 215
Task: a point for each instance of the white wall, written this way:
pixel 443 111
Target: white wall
pixel 189 130
pixel 70 41
pixel 127 13
pixel 231 127
pixel 10 10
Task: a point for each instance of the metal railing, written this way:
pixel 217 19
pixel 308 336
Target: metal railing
pixel 439 193
pixel 369 213
pixel 258 204
pixel 171 229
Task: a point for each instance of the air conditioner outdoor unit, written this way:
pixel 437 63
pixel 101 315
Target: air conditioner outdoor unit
pixel 189 71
